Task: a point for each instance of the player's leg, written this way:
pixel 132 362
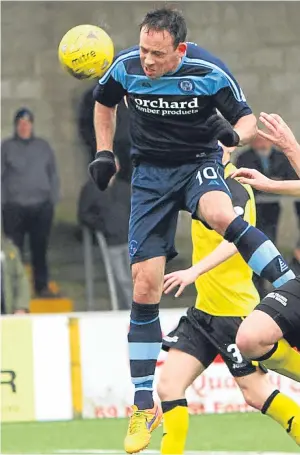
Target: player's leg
pixel 144 335
pixel 260 334
pixel 260 394
pixel 208 198
pixel 178 373
pixel 151 241
pixel 144 340
pixel 190 352
pixel 253 381
pixel 254 246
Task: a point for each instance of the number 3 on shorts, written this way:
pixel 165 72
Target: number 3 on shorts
pixel 235 352
pixel 208 173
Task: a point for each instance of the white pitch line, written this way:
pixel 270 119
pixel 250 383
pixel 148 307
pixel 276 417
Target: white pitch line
pixel 149 452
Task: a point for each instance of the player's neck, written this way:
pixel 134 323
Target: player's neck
pixel 177 66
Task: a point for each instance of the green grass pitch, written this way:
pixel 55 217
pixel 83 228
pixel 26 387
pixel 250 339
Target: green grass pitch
pixel 227 432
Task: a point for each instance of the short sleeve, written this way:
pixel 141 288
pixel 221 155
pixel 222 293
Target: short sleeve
pixel 228 96
pixel 242 200
pixel 112 86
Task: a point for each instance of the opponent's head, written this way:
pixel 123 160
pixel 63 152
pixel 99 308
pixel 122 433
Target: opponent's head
pixel 162 41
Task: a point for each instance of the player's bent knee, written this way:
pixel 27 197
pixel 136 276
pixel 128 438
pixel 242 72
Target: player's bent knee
pixel 246 343
pixel 148 279
pixel 147 286
pixel 143 291
pixel 219 219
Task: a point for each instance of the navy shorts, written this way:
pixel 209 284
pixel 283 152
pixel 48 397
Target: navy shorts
pixel 158 194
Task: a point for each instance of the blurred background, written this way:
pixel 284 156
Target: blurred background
pixel 63 244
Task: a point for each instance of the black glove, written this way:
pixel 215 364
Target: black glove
pixel 102 168
pixel 219 128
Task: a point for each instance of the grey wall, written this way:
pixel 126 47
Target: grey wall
pixel 260 41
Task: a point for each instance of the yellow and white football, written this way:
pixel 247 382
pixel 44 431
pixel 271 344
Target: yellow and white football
pixel 86 51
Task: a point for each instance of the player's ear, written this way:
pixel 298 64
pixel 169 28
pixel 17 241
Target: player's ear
pixel 182 49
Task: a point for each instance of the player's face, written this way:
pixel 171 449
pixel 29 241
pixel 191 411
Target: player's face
pixel 157 53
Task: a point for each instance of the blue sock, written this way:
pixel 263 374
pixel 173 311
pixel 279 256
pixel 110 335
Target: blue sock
pixel 144 340
pixel 259 252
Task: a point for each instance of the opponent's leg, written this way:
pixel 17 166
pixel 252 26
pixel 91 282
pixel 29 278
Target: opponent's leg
pixel 260 338
pixel 144 339
pixel 260 394
pixel 254 246
pixel 178 373
pixel 190 352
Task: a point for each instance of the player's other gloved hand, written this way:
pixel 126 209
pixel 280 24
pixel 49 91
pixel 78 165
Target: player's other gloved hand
pixel 102 168
pixel 219 128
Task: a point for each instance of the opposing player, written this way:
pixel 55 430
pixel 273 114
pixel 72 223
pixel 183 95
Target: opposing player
pixel 173 90
pixel 225 295
pixel 278 315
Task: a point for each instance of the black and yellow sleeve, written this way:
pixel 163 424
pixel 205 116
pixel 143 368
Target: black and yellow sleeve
pixel 243 200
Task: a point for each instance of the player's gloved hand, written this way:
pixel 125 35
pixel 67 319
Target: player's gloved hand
pixel 219 128
pixel 102 168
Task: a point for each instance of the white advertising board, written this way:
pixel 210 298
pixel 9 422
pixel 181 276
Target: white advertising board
pixel 107 388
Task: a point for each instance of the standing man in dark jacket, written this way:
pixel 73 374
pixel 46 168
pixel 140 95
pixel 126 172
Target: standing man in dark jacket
pixel 30 188
pixel 108 212
pixel 263 157
pixel 273 164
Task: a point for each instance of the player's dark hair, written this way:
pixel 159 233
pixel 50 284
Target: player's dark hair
pixel 167 19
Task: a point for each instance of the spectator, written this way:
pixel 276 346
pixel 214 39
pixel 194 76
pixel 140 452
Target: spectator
pixel 272 163
pixel 121 139
pixel 15 289
pixel 86 122
pixel 30 190
pixel 108 212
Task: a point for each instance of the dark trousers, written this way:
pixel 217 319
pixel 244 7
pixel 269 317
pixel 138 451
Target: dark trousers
pixel 267 218
pixel 35 221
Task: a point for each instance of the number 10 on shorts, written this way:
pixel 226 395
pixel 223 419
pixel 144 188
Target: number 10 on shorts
pixel 208 173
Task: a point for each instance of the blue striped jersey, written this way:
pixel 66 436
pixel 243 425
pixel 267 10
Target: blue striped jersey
pixel 167 114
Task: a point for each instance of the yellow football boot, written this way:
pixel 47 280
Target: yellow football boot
pixel 141 425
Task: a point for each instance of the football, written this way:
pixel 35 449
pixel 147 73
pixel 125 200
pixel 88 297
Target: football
pixel 86 52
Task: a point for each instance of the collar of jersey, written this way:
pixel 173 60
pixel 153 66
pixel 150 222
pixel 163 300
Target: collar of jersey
pixel 178 67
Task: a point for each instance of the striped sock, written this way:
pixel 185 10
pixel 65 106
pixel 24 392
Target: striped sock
pixel 259 252
pixel 144 340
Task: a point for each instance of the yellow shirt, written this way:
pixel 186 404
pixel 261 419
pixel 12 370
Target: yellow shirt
pixel 227 290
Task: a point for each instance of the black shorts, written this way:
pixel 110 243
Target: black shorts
pixel 283 305
pixel 205 336
pixel 158 194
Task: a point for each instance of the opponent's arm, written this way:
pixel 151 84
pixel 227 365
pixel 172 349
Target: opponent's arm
pixel 262 183
pixel 289 187
pixel 281 135
pixel 183 278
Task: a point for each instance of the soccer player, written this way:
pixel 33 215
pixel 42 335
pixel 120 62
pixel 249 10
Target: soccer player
pixel 225 294
pixel 173 89
pixel 278 315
